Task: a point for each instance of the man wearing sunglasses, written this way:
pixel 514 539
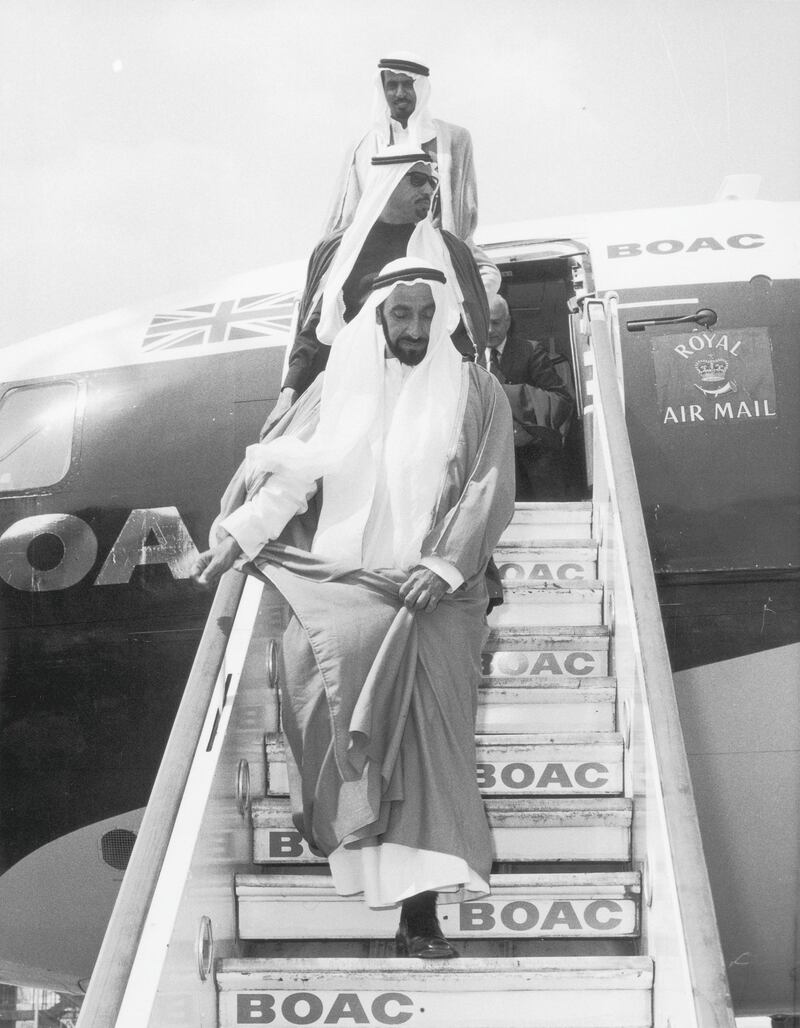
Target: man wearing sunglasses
pixel 392 221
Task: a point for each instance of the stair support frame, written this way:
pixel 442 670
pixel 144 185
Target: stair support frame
pixel 679 928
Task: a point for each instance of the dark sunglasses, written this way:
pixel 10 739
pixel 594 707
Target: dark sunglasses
pixel 419 178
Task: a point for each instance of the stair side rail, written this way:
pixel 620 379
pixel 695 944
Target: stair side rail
pixel 679 927
pixel 125 927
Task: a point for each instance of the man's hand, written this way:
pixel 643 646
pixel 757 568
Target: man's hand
pixel 423 589
pixel 285 401
pixel 212 564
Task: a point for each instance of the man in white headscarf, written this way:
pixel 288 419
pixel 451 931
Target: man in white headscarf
pixel 401 115
pixel 410 451
pixel 392 220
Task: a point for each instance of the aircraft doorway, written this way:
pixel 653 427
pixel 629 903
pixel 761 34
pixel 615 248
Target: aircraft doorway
pixel 538 286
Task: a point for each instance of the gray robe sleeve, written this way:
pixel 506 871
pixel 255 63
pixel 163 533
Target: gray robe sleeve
pixel 300 420
pixel 478 499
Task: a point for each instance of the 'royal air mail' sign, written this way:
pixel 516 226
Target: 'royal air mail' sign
pixel 714 377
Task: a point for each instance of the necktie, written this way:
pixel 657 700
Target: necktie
pixel 494 361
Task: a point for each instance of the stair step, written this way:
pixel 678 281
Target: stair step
pixel 564 560
pixel 550 603
pixel 552 508
pixel 513 651
pixel 560 829
pixel 527 992
pixel 523 829
pixel 546 704
pixel 541 703
pixel 566 764
pixel 534 522
pixel 542 906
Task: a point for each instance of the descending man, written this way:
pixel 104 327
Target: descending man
pixel 409 450
pixel 391 221
pixel 400 115
pixel 541 405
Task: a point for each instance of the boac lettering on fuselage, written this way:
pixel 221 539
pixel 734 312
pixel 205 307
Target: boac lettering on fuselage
pixel 46 552
pixel 703 244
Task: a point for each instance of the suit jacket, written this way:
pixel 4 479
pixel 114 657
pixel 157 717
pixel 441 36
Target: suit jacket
pixel 541 403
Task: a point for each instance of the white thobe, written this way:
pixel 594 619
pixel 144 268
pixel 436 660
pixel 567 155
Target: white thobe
pixel 264 516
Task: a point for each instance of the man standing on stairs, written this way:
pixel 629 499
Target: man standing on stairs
pixel 392 220
pixel 541 406
pixel 374 507
pixel 401 116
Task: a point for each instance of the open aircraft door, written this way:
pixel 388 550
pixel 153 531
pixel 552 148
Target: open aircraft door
pixel 545 283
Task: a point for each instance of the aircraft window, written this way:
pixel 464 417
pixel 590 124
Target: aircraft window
pixel 36 428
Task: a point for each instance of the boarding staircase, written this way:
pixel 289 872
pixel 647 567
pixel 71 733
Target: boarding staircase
pixel 600 912
pixel 555 942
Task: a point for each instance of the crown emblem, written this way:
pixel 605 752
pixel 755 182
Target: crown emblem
pixel 712 369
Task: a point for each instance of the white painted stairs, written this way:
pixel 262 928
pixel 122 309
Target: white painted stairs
pixel 554 946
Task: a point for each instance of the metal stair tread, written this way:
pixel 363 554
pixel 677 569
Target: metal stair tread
pixel 550 603
pixel 535 684
pixel 507 706
pixel 546 879
pixel 552 587
pixel 544 829
pixel 466 969
pixel 566 511
pixel 548 634
pixel 574 504
pixel 548 545
pixel 530 906
pixel 591 739
pixel 272 809
pixel 542 808
pixel 588 761
pixel 519 650
pixel 274 741
pixel 467 992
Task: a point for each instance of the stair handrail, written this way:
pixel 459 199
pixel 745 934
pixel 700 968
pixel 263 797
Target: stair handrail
pixel 120 943
pixel 711 991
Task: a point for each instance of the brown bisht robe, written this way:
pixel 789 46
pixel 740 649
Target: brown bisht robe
pixel 379 704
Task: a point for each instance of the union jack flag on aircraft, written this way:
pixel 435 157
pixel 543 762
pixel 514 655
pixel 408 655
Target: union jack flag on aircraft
pixel 226 321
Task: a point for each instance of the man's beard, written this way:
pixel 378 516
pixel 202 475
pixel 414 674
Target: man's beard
pixel 412 356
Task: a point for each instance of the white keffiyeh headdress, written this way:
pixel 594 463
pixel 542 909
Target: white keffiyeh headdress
pixel 426 242
pixel 420 126
pixel 348 444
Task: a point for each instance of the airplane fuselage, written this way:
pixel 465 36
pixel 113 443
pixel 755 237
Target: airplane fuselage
pixel 100 621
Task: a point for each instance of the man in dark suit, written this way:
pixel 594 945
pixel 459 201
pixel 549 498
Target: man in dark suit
pixel 541 405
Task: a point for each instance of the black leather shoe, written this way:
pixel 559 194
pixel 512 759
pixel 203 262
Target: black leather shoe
pixel 419 934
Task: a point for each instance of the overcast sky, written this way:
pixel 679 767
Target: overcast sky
pixel 147 146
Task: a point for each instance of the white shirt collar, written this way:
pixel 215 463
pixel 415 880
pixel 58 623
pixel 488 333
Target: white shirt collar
pixel 499 349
